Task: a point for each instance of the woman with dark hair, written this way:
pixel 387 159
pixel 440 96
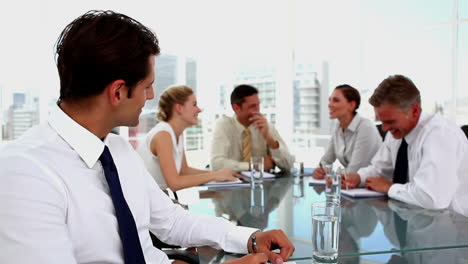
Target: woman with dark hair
pixel 356 139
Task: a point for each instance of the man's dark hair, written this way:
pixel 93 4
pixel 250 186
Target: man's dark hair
pixel 240 92
pixel 396 90
pixel 351 94
pixel 100 47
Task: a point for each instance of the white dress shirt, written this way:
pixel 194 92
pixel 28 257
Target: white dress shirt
pixel 55 204
pixel 437 165
pixel 226 147
pixel 152 161
pixel 355 146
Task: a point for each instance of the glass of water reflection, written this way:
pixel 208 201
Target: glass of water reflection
pixel 332 183
pixel 325 231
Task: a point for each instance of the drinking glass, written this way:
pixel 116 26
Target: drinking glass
pixel 256 169
pixel 325 231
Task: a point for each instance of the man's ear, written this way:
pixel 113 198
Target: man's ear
pixel 116 91
pixel 236 108
pixel 415 110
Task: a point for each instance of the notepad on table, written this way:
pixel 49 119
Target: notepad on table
pixel 362 192
pixel 236 183
pixel 266 175
pixel 313 181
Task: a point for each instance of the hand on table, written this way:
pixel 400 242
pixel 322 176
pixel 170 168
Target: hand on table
pixel 319 173
pixel 378 184
pixel 351 181
pixel 226 175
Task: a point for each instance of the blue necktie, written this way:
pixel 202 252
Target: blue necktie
pixel 400 174
pixel 133 254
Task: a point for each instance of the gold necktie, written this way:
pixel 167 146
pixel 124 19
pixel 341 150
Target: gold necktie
pixel 246 146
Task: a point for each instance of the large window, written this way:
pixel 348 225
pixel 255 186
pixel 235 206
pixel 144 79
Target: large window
pixel 294 52
pixel 462 98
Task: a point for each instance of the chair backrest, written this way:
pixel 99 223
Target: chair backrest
pixel 381 131
pixel 465 129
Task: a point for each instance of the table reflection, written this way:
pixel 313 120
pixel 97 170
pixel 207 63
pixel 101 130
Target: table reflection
pixel 368 226
pixel 249 206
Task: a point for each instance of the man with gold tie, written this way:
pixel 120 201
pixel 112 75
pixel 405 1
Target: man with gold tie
pixel 236 139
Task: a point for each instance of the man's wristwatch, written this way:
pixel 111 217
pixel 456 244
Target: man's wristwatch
pixel 254 243
pixel 254 248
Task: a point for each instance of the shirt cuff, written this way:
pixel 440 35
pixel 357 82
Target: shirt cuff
pixel 244 166
pixel 363 176
pixel 238 238
pixel 395 190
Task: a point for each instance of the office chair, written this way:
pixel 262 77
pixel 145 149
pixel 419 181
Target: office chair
pixel 175 252
pixel 465 129
pixel 381 131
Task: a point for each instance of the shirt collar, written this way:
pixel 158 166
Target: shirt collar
pixel 413 134
pixel 240 127
pixel 85 143
pixel 354 123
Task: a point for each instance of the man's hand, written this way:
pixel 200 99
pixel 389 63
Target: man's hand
pixel 274 239
pixel 261 123
pixel 319 173
pixel 351 181
pixel 378 184
pixel 256 258
pixel 268 163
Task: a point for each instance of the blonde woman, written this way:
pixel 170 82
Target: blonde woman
pixel 163 148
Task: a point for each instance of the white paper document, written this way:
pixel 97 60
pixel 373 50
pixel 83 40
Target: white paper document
pixel 236 183
pixel 362 192
pixel 266 175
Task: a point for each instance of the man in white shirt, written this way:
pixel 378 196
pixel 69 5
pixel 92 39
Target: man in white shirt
pixel 236 139
pixel 73 193
pixel 425 161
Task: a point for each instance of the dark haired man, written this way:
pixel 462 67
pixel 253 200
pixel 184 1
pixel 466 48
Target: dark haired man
pixel 425 161
pixel 236 139
pixel 73 193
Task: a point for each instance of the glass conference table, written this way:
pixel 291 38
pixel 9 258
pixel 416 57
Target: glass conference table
pixel 375 229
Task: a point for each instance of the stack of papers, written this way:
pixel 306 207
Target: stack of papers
pixel 266 175
pixel 362 192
